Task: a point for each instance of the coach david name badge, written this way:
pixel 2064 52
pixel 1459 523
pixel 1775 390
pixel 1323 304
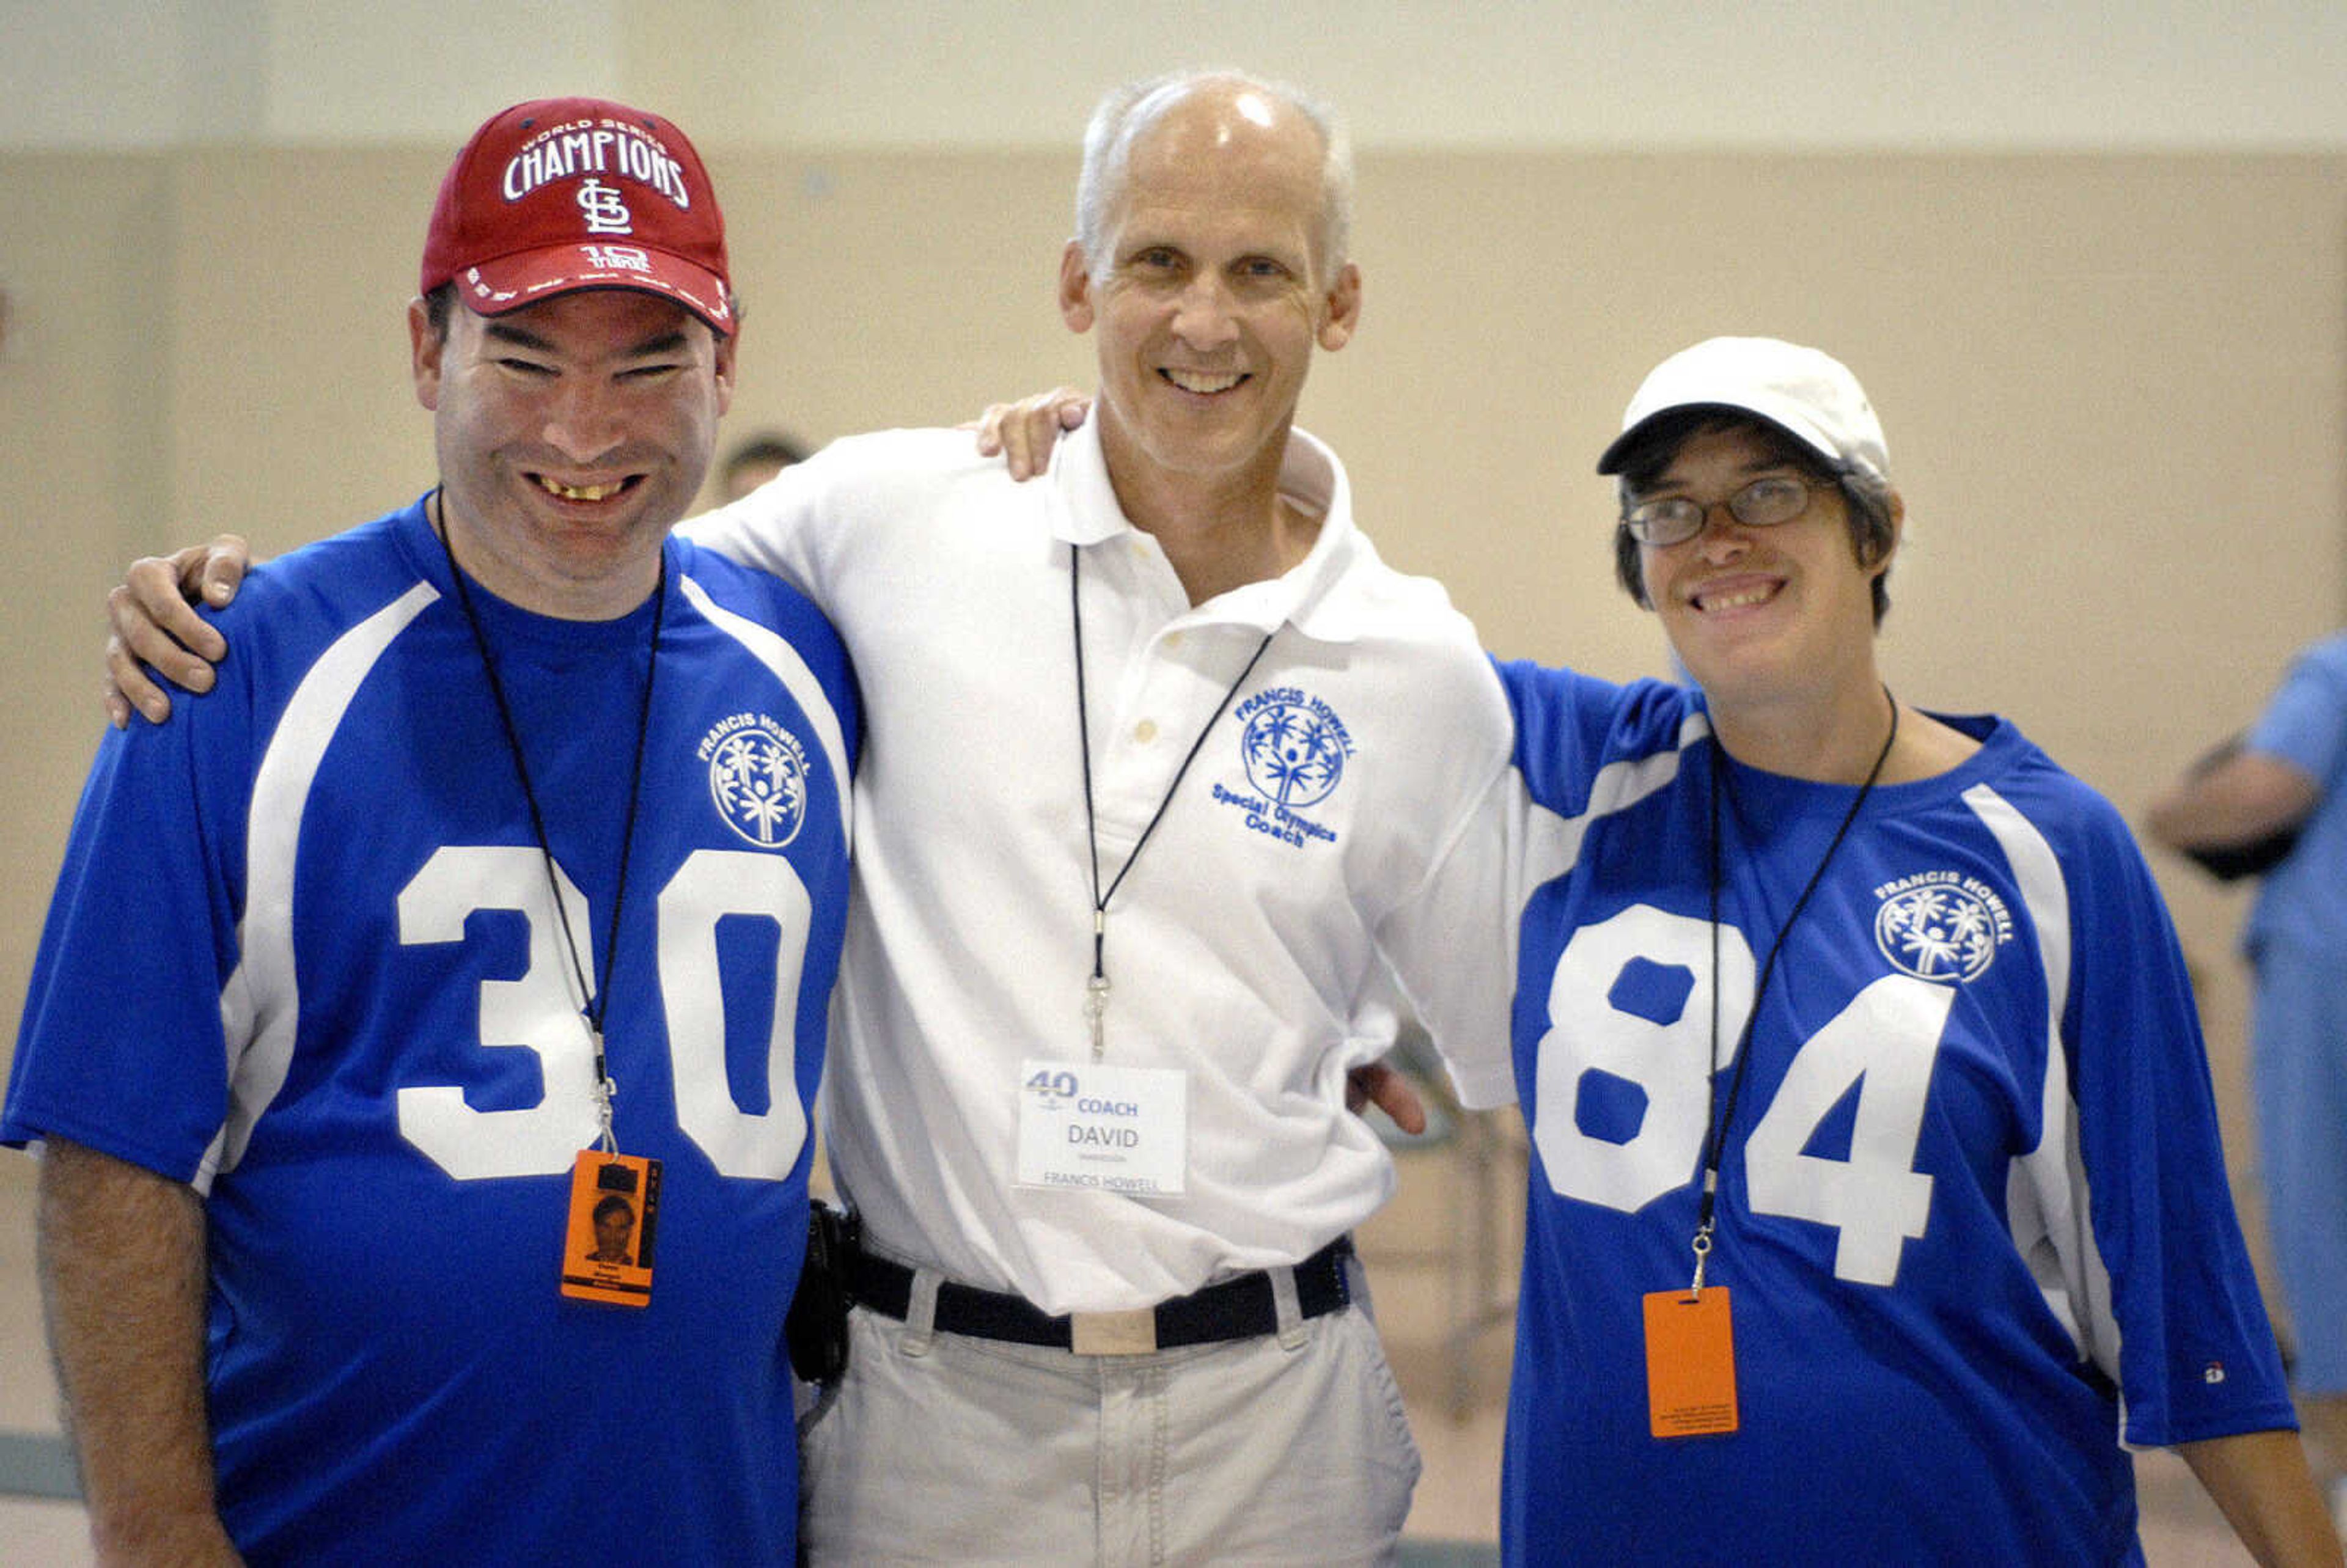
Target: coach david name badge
pixel 1112 1128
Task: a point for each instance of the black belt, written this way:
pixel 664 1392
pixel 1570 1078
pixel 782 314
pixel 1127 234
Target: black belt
pixel 1238 1308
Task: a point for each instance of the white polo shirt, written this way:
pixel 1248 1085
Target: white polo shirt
pixel 1328 851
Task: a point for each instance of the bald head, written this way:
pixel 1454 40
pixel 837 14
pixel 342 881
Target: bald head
pixel 1181 120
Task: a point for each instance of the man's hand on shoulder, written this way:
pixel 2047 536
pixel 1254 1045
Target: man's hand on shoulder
pixel 153 626
pixel 1023 432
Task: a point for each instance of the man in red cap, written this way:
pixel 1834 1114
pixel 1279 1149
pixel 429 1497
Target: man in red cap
pixel 504 876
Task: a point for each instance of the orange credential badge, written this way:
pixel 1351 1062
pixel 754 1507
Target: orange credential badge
pixel 607 1248
pixel 1690 1364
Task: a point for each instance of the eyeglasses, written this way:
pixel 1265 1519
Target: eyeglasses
pixel 1762 503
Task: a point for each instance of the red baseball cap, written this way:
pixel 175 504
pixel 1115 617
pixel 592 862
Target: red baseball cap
pixel 560 194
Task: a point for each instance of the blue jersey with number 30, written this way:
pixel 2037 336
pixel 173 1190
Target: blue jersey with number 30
pixel 305 954
pixel 1971 1210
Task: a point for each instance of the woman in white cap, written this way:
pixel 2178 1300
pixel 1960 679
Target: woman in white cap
pixel 1876 1197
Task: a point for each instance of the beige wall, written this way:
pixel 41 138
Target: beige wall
pixel 1809 75
pixel 2116 389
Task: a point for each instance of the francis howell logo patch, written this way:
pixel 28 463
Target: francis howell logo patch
pixel 758 777
pixel 1294 748
pixel 1940 925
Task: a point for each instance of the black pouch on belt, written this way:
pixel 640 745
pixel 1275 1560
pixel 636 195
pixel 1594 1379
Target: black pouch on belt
pixel 816 1326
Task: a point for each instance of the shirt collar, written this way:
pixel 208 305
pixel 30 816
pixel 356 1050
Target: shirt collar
pixel 1307 595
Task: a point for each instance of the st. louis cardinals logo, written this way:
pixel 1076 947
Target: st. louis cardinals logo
pixel 607 213
pixel 1940 926
pixel 758 778
pixel 1294 748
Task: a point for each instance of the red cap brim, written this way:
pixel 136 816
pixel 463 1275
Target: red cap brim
pixel 511 282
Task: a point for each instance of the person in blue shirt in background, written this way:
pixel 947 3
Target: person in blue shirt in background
pixel 2275 803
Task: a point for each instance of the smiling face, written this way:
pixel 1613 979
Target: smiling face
pixel 571 435
pixel 1210 295
pixel 1762 617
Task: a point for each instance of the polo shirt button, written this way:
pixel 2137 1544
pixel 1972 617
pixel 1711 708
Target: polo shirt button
pixel 1145 730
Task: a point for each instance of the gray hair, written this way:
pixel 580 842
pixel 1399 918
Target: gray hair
pixel 1125 112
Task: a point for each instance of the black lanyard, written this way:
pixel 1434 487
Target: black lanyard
pixel 1717 1120
pixel 1096 988
pixel 596 1003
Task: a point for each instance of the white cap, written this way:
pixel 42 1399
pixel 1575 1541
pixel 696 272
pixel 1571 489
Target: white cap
pixel 1808 395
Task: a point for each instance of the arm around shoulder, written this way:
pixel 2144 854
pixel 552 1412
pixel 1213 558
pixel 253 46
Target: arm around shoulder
pixel 123 1284
pixel 770 528
pixel 155 628
pixel 1452 943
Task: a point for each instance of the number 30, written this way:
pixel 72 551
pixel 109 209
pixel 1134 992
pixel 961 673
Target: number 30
pixel 537 1013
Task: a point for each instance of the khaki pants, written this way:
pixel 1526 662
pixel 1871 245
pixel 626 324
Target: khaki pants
pixel 1289 1448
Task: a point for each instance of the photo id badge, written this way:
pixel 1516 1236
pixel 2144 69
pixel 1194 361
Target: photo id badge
pixel 606 1246
pixel 1690 1364
pixel 1116 1129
